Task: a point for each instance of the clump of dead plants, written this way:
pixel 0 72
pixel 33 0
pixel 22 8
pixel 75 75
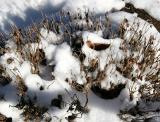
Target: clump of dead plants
pixel 4 77
pixel 76 109
pixel 139 51
pixel 27 43
pixel 3 118
pixel 148 69
pixel 31 111
pixel 20 85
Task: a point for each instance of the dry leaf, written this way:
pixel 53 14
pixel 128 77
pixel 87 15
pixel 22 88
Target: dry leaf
pixel 97 46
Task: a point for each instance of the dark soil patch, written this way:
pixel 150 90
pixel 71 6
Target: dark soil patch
pixel 4 80
pixel 142 14
pixel 108 94
pixel 3 118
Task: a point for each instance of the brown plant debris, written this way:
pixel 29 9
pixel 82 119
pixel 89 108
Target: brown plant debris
pixel 97 46
pixel 142 14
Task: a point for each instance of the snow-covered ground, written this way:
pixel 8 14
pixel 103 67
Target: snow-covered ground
pixel 63 76
pixel 25 12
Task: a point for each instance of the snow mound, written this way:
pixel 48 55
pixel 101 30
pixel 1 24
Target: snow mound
pixel 104 56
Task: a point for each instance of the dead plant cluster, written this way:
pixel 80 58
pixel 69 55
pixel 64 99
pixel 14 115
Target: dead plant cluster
pixel 4 77
pixel 25 48
pixel 31 111
pixel 3 118
pixel 76 109
pixel 142 52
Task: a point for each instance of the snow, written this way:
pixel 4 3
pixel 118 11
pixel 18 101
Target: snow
pixel 62 68
pixel 107 109
pixel 10 99
pixel 150 6
pixel 99 6
pixel 147 28
pixel 104 56
pixel 10 111
pixel 14 11
pixel 31 9
pixel 67 66
pixel 50 37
